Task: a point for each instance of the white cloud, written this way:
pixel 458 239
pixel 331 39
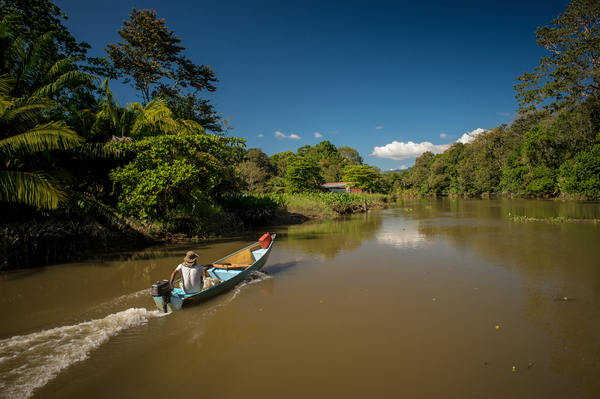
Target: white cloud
pixel 282 136
pixel 468 137
pixel 400 151
pixel 403 167
pixel 260 135
pixel 379 127
pixel 317 135
pixel 444 136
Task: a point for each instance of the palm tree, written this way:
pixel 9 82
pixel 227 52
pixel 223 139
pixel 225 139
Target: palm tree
pixel 23 143
pixel 34 67
pixel 135 121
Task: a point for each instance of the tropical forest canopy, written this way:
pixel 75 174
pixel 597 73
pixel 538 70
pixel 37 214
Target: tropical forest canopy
pixel 70 151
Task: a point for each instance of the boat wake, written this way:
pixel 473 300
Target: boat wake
pixel 254 278
pixel 37 358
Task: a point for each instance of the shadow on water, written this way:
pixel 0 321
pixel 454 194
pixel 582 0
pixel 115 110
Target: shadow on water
pixel 281 267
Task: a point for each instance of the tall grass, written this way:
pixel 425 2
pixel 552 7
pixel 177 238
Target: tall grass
pixel 332 204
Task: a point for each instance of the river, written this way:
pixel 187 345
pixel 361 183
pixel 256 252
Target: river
pixel 431 298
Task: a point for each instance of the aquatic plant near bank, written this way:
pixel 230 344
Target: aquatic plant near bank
pixel 557 219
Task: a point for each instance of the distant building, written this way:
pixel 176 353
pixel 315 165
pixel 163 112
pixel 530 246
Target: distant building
pixel 341 187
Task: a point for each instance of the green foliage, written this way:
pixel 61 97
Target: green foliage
pixel 281 161
pixel 540 180
pixel 168 171
pixel 253 177
pixel 512 176
pixel 580 176
pixel 350 155
pixel 253 209
pixel 191 107
pixel 303 175
pixel 149 54
pixel 420 172
pixel 25 178
pixel 362 176
pixel 34 18
pixel 332 204
pixel 571 74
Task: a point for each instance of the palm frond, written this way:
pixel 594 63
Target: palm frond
pixel 7 83
pixel 24 113
pixel 68 79
pixel 186 126
pixel 31 188
pixel 97 210
pixel 53 135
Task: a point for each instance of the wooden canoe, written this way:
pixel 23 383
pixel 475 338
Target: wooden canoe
pixel 226 273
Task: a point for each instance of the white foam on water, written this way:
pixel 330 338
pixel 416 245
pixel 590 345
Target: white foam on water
pixel 253 278
pixel 35 359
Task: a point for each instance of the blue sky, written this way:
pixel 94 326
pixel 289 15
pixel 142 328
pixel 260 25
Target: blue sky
pixel 388 78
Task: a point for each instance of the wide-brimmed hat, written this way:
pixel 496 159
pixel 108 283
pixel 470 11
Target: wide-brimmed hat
pixel 190 258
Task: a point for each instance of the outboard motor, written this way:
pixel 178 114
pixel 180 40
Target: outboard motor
pixel 162 288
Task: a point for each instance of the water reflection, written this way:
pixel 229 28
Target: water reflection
pixel 330 237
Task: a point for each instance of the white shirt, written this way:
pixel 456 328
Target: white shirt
pixel 192 278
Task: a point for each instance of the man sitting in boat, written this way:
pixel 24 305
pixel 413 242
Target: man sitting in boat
pixel 192 274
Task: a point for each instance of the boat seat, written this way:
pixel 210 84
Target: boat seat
pixel 230 266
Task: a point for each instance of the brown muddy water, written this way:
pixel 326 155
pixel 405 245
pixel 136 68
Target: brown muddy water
pixel 433 298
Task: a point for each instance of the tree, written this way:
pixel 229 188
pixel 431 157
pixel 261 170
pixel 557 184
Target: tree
pixel 33 18
pixel 255 170
pixel 420 172
pixel 281 161
pixel 135 121
pixel 303 175
pixel 261 159
pixel 24 176
pixel 364 177
pixel 149 54
pixel 34 67
pixel 351 156
pixel 571 75
pixel 580 176
pixel 191 107
pixel 253 176
pixel 169 171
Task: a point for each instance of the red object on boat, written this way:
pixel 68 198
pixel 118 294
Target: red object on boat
pixel 265 241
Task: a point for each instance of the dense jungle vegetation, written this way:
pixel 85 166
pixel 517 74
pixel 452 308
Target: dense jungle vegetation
pixel 77 167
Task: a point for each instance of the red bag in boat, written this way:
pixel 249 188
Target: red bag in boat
pixel 265 241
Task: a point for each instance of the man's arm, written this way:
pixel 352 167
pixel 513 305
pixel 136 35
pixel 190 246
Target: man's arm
pixel 173 277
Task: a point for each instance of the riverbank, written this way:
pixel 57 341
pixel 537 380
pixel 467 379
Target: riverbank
pixel 33 244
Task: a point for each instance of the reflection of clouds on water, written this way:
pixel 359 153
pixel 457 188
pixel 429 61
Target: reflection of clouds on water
pixel 401 236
